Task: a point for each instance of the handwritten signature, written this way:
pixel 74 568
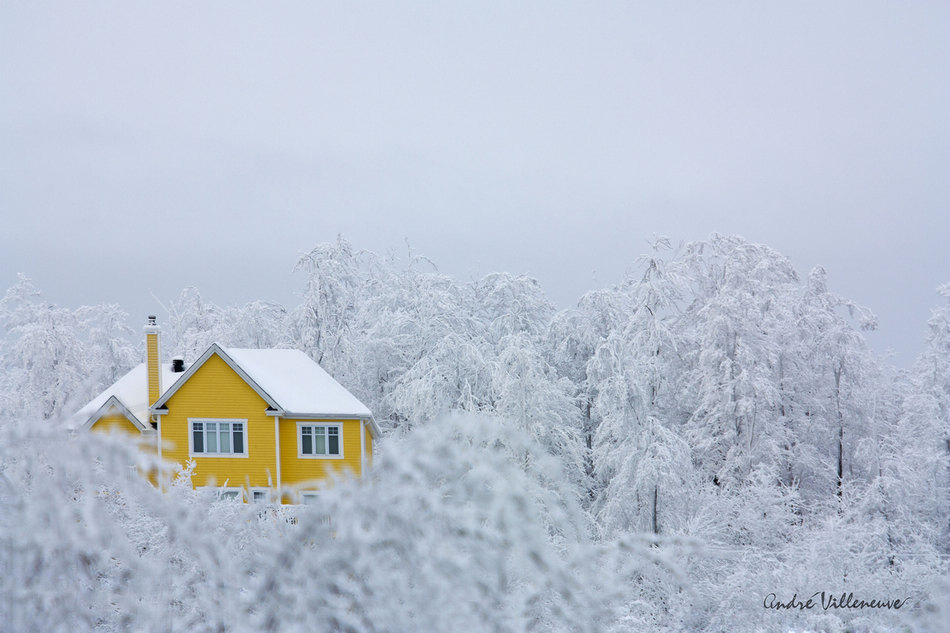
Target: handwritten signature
pixel 831 601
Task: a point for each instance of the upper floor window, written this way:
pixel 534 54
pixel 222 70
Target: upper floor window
pixel 218 438
pixel 320 440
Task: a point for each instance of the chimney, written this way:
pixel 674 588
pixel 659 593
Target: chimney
pixel 178 365
pixel 153 361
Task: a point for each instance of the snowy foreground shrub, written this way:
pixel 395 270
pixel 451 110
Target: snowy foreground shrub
pixel 465 525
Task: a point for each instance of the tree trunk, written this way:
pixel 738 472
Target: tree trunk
pixel 589 453
pixel 840 483
pixel 656 529
pixel 840 459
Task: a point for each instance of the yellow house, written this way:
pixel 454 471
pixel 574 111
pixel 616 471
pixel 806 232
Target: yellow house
pixel 265 424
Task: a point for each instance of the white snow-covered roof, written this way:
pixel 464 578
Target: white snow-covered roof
pixel 286 378
pixel 131 390
pixel 297 383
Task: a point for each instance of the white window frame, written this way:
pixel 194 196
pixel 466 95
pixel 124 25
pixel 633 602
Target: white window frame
pixel 256 491
pixel 302 455
pixel 191 437
pixel 222 493
pixel 234 493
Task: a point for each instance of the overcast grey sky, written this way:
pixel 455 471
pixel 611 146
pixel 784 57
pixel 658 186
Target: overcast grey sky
pixel 145 147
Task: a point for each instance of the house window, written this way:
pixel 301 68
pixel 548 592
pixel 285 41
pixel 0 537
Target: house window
pixel 319 440
pixel 260 496
pixel 221 493
pixel 230 493
pixel 218 438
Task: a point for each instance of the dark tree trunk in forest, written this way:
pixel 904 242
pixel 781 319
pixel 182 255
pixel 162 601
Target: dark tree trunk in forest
pixel 589 453
pixel 838 371
pixel 840 459
pixel 656 529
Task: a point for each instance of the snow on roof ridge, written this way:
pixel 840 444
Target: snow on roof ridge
pixel 296 382
pixel 289 376
pixel 131 390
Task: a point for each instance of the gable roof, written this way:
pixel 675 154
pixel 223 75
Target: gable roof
pixel 287 380
pixel 131 391
pixel 297 383
pixel 110 405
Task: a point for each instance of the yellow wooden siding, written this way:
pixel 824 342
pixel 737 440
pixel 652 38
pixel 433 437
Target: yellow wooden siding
pixel 115 422
pixel 369 447
pixel 152 367
pixel 216 391
pixel 307 472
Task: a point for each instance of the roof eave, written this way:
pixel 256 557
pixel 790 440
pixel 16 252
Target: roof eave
pixel 107 406
pixel 290 415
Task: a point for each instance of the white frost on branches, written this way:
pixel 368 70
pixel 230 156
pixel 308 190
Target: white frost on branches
pixel 659 457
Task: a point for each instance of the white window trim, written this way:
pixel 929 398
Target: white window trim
pixel 191 439
pixel 220 491
pixel 309 494
pixel 302 455
pixel 268 493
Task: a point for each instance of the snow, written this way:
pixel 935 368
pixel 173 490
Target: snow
pixel 288 376
pixel 296 383
pixel 131 390
pixel 720 422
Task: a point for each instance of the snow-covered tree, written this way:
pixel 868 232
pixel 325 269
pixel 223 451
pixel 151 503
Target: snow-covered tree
pixel 573 338
pixel 324 321
pixel 528 392
pixel 53 359
pixel 835 386
pixel 739 307
pixel 641 462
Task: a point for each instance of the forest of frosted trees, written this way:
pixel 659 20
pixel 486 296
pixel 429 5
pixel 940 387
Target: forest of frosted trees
pixel 660 457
